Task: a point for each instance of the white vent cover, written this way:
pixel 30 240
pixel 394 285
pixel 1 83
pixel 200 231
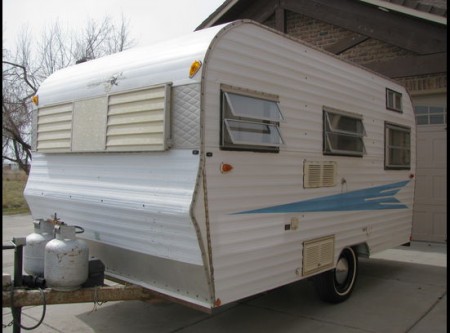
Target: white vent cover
pixel 319 174
pixel 54 128
pixel 137 120
pixel 318 255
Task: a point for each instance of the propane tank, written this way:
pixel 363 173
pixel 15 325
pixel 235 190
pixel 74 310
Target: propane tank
pixel 35 247
pixel 66 264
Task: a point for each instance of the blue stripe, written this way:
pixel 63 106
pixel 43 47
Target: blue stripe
pixel 375 198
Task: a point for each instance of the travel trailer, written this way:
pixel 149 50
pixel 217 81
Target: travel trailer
pixel 226 163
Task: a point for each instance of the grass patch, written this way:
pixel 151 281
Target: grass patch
pixel 13 185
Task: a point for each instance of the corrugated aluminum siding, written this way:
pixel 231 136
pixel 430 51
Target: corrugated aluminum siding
pixel 134 206
pixel 136 201
pixel 253 252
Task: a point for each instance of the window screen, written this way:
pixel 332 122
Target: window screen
pixel 397 147
pixel 250 123
pixel 254 108
pixel 343 133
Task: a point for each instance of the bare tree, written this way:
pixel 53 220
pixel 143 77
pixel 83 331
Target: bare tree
pixel 55 48
pixel 102 38
pixel 18 85
pixel 15 125
pixel 23 72
pixel 120 36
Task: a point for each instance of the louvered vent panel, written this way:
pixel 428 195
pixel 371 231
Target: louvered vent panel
pixel 136 120
pixel 318 255
pixel 54 128
pixel 319 174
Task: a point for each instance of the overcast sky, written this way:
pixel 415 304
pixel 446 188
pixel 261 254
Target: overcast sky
pixel 150 20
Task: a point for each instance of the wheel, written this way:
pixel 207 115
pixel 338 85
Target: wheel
pixel 336 285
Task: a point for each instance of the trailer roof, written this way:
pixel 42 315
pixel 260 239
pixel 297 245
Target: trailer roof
pixel 167 62
pixel 164 62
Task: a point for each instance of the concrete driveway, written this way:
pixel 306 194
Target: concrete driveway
pixel 399 290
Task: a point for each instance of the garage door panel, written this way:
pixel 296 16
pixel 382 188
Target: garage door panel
pixel 439 152
pixel 430 205
pixel 440 188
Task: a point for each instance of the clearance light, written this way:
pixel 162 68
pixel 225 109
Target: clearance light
pixel 195 67
pixel 224 167
pixel 35 99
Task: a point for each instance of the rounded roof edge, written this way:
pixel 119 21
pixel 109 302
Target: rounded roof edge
pixel 163 62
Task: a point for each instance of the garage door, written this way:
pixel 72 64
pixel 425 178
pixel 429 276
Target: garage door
pixel 430 207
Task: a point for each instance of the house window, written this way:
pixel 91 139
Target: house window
pixel 397 147
pixel 250 123
pixel 430 115
pixel 393 100
pixel 342 133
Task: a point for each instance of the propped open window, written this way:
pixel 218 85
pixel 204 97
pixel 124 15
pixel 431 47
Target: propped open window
pixel 254 108
pixel 250 122
pixel 343 133
pixel 253 133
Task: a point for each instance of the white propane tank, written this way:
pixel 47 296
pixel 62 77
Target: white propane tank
pixel 66 260
pixel 33 259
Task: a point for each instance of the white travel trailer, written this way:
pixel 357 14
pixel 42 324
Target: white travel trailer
pixel 225 163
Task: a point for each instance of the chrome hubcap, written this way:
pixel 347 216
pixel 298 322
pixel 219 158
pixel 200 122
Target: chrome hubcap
pixel 342 271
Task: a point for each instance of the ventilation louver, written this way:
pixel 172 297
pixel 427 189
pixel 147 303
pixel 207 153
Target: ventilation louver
pixel 319 174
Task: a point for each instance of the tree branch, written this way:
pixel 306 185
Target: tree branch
pixel 25 77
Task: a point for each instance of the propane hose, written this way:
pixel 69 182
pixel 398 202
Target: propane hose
pixel 80 231
pixel 44 308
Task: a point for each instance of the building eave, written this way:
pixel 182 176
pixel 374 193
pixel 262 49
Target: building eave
pixel 217 14
pixel 388 6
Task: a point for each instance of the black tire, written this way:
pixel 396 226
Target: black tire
pixel 336 285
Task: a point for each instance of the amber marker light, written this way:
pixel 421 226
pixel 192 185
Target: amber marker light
pixel 225 167
pixel 195 67
pixel 35 99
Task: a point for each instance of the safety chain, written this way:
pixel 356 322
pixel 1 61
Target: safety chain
pixel 96 302
pixel 12 321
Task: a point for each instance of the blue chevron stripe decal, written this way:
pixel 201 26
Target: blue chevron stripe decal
pixel 375 198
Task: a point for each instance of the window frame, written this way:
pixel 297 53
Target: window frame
pixel 230 114
pixel 330 130
pixel 388 127
pixel 395 94
pixel 427 115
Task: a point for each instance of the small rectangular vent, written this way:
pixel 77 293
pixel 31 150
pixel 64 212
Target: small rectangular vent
pixel 319 174
pixel 318 255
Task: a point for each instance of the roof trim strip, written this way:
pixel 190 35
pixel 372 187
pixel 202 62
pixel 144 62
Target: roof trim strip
pixel 383 5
